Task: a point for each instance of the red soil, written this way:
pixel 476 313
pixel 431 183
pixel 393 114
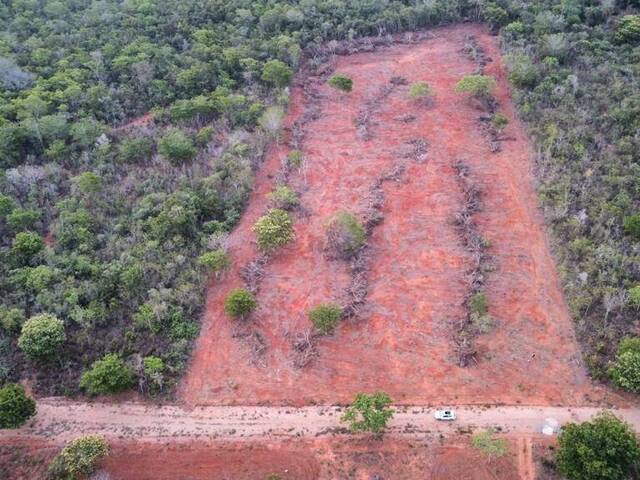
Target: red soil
pixel 345 458
pixel 403 343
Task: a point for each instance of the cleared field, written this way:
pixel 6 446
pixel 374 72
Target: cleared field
pixel 402 341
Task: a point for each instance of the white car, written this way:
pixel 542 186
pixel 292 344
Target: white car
pixel 445 415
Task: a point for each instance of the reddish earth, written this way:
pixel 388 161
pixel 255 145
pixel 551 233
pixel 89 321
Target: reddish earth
pixel 351 458
pixel 403 342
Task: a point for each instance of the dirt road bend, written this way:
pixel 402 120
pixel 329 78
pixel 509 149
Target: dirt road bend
pixel 60 420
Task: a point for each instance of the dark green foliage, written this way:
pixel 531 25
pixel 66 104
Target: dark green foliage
pixel 325 317
pixel 108 375
pixel 26 245
pixel 240 303
pixel 135 150
pixel 16 407
pixel 625 370
pixel 20 219
pixel 341 82
pixel 42 336
pixel 368 413
pixel 632 226
pixel 602 449
pixel 273 230
pixel 176 147
pixel 277 73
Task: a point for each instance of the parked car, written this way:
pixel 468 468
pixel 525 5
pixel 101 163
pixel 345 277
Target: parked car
pixel 445 415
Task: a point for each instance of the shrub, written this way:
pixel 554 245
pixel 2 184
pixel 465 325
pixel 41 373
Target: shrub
pixel 6 205
pixel 499 121
pixel 368 413
pixel 11 319
pixel 42 336
pixel 634 296
pixel 16 407
pixel 176 147
pixel 88 183
pixel 26 245
pixel 345 234
pixel 478 86
pixel 631 226
pixel 625 370
pixel 153 370
pixel 603 449
pixel 135 150
pixel 295 158
pixel 284 198
pixel 108 375
pixel 273 230
pixel 420 91
pixel 325 317
pixel 240 303
pixel 204 136
pixel 276 73
pixel 20 219
pixel 628 30
pixel 216 260
pixel 80 457
pixel 490 446
pixel 341 82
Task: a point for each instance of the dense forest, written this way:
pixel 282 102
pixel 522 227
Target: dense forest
pixel 130 132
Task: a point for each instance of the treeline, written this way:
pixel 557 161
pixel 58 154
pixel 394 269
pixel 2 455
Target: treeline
pixel 104 224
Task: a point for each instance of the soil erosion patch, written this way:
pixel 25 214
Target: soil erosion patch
pixel 402 339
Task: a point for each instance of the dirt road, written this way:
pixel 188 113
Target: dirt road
pixel 60 420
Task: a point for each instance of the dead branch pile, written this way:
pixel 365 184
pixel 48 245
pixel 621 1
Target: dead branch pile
pixel 476 53
pixel 476 246
pixel 253 273
pixel 364 121
pixel 304 348
pixel 418 152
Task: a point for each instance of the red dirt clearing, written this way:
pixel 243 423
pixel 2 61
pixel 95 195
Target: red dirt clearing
pixel 402 343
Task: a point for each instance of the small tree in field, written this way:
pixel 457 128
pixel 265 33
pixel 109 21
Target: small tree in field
pixel 108 375
pixel 276 73
pixel 79 458
pixel 16 407
pixel 605 448
pixel 478 86
pixel 216 260
pixel 240 303
pixel 325 317
pixel 368 413
pixel 341 82
pixel 176 147
pixel 420 92
pixel 345 235
pixel 275 229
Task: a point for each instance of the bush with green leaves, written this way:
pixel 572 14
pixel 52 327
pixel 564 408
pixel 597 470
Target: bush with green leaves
pixel 368 413
pixel 22 219
pixel 634 297
pixel 628 29
pixel 325 317
pixel 240 303
pixel 42 336
pixel 605 448
pixel 11 319
pixel 135 150
pixel 16 407
pixel 26 245
pixel 215 260
pixel 345 235
pixel 632 226
pixel 294 158
pixel 341 82
pixel 276 73
pixel 420 91
pixel 478 86
pixel 625 370
pixel 522 72
pixel 176 147
pixel 499 121
pixel 274 229
pixel 107 375
pixel 153 368
pixel 79 458
pixel 283 197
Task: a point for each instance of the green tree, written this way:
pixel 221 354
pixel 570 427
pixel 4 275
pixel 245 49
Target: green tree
pixel 277 73
pixel 80 457
pixel 625 370
pixel 16 407
pixel 42 336
pixel 216 260
pixel 420 91
pixel 634 297
pixel 603 449
pixel 22 219
pixel 26 245
pixel 478 86
pixel 632 226
pixel 176 147
pixel 628 30
pixel 284 198
pixel 108 375
pixel 135 150
pixel 88 183
pixel 273 230
pixel 341 82
pixel 368 413
pixel 240 303
pixel 345 234
pixel 325 317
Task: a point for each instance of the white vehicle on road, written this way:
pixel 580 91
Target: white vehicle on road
pixel 448 415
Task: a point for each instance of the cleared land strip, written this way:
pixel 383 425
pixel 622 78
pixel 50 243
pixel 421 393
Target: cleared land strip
pixel 60 420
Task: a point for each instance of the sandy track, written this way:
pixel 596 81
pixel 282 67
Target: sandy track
pixel 60 420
